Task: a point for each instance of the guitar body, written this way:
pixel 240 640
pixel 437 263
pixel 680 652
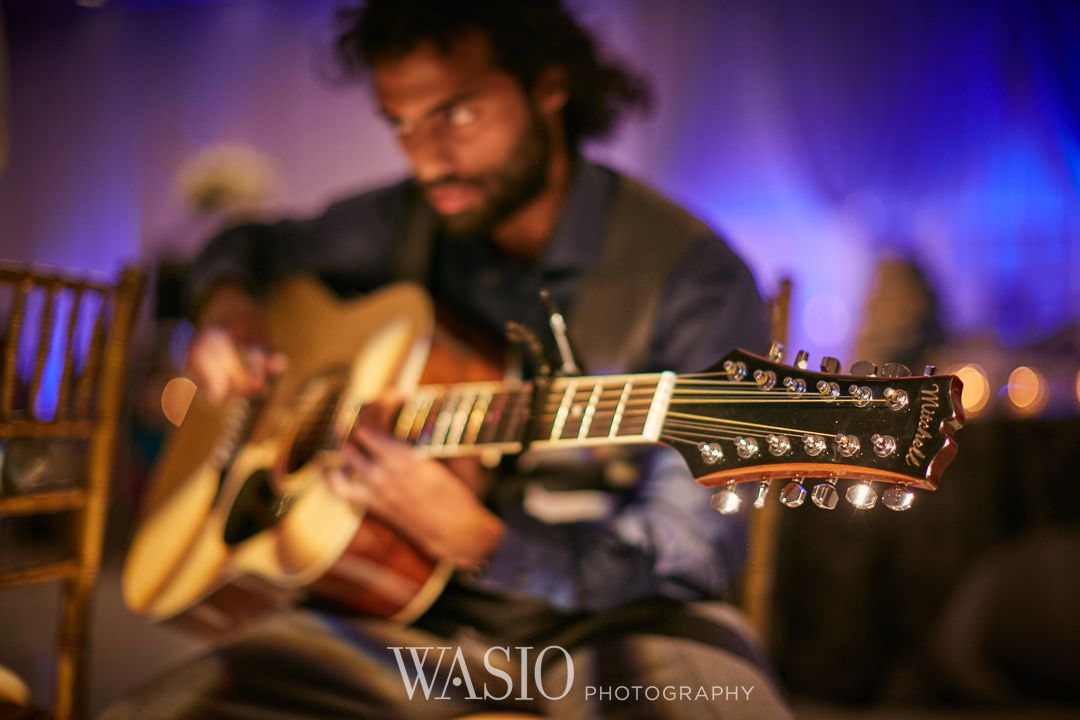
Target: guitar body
pixel 201 559
pixel 239 519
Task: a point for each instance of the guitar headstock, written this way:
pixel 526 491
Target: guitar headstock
pixel 754 419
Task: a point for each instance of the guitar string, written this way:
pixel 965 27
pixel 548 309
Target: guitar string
pixel 746 424
pixel 690 425
pixel 684 380
pixel 679 427
pixel 694 400
pixel 321 421
pixel 754 399
pixel 688 380
pixel 680 396
pixel 638 395
pixel 747 400
pixel 708 377
pixel 694 440
pixel 743 427
pixel 777 396
pixel 707 435
pixel 672 419
pixel 628 413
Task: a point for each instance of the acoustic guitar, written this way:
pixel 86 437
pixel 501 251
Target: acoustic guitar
pixel 238 520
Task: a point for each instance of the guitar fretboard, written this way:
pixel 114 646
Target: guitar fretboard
pixel 449 420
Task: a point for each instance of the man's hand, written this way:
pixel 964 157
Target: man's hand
pixel 421 497
pixel 221 368
pixel 228 353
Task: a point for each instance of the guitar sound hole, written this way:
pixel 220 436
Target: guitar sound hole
pixel 257 507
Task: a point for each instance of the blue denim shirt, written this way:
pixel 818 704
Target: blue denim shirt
pixel 660 539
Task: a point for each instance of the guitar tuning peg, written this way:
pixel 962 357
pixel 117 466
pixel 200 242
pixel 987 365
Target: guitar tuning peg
pixel 895 370
pixel 801 359
pixel 776 352
pixel 863 368
pixel 898 498
pixel 727 501
pixel 929 369
pixel 830 365
pixel 793 494
pixel 825 496
pixel 862 495
pixel 711 452
pixel 762 493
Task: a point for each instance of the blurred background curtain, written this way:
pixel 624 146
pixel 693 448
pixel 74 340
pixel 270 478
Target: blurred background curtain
pixel 819 136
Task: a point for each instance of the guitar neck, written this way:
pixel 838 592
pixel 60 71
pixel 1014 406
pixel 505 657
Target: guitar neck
pixel 471 418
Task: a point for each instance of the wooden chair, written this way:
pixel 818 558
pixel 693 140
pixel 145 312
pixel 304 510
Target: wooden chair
pixel 759 575
pixel 54 391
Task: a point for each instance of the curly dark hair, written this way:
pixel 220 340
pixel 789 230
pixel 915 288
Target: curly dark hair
pixel 527 37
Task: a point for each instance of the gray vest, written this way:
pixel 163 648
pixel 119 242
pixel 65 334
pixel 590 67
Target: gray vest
pixel 612 315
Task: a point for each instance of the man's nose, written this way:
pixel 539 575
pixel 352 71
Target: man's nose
pixel 429 158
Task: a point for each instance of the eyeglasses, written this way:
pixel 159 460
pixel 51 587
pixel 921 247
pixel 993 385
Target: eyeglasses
pixel 456 122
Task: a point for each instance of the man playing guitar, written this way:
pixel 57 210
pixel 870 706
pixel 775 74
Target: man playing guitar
pixel 491 102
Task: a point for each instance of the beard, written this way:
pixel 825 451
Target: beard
pixel 505 191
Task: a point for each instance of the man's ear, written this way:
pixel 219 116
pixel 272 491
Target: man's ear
pixel 549 91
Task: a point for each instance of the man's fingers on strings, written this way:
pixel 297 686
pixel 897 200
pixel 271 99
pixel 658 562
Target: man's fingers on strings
pixel 379 414
pixel 359 465
pixel 277 363
pixel 343 484
pixel 382 447
pixel 258 365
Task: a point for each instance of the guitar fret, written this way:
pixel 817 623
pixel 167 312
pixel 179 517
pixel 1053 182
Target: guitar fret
pixel 489 428
pixel 585 410
pixel 616 419
pixel 450 420
pixel 431 419
pixel 634 417
pixel 590 410
pixel 503 426
pixel 564 409
pixel 406 416
pixel 445 416
pixel 420 417
pixel 461 415
pixel 601 420
pixel 519 413
pixel 603 410
pixel 577 411
pixel 476 417
pixel 661 399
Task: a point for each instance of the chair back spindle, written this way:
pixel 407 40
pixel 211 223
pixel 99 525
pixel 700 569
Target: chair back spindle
pixel 56 389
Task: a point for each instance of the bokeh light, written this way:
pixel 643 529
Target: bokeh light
pixel 976 389
pixel 1027 390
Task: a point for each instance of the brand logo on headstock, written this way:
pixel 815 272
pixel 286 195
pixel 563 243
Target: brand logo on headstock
pixel 930 403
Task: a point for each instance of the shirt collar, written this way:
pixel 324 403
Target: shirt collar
pixel 578 240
